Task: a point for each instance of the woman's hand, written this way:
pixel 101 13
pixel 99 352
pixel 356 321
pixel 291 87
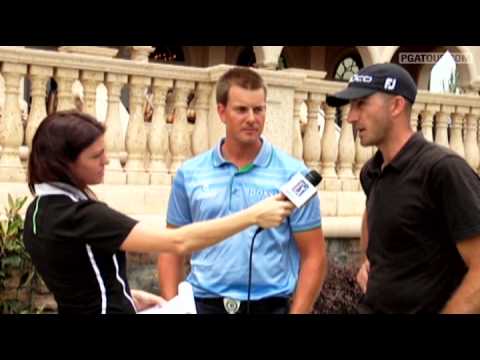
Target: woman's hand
pixel 272 211
pixel 144 300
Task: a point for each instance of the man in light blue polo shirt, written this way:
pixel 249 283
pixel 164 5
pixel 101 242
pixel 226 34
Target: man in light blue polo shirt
pixel 289 262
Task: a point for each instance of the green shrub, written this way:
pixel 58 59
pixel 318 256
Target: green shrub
pixel 17 273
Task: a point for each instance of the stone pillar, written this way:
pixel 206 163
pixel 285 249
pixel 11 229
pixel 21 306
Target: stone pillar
pixel 65 79
pixel 427 122
pixel 11 128
pixel 180 144
pixel 456 139
pixel 90 81
pixel 297 146
pixel 329 150
pixel 362 155
pixel 471 144
pixel 346 151
pixel 39 76
pixel 200 131
pixel 114 136
pixel 141 53
pixel 158 142
pixel 311 139
pixel 441 133
pixel 136 133
pixel 267 56
pixel 416 110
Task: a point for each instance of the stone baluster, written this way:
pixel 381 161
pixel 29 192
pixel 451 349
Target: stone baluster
pixel 427 123
pixel 180 144
pixel 158 142
pixel 311 138
pixel 416 110
pixel 362 155
pixel 346 153
pixel 114 136
pixel 136 133
pixel 441 125
pixel 65 79
pixel 297 147
pixel 329 150
pixel 475 111
pixel 11 128
pixel 456 139
pixel 90 81
pixel 471 143
pixel 200 131
pixel 39 76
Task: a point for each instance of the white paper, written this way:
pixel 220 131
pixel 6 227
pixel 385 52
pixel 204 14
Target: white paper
pixel 183 303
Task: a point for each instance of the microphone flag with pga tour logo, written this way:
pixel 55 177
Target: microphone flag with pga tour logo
pixel 301 188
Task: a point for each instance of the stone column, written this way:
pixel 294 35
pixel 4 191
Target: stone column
pixel 311 139
pixel 441 133
pixel 90 81
pixel 65 79
pixel 39 76
pixel 416 110
pixel 456 139
pixel 114 137
pixel 267 56
pixel 136 133
pixel 427 121
pixel 471 144
pixel 297 146
pixel 200 131
pixel 141 53
pixel 158 142
pixel 330 150
pixel 180 143
pixel 11 128
pixel 346 151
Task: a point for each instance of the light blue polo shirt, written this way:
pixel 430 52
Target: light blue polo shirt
pixel 210 187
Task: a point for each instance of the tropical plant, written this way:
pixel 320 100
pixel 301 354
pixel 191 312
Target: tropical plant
pixel 17 273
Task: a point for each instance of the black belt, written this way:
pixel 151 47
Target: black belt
pixel 265 305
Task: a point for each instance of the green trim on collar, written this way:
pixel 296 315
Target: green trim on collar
pixel 246 168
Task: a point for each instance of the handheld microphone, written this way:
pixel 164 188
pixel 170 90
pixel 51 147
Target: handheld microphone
pixel 298 190
pixel 301 188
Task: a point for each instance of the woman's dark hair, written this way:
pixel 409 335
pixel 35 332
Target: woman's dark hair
pixel 57 143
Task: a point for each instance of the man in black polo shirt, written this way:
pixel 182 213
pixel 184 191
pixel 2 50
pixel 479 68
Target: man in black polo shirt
pixel 421 226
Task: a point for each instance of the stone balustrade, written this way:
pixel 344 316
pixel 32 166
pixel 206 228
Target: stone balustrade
pixel 148 151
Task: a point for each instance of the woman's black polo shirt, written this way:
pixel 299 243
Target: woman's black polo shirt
pixel 423 202
pixel 75 247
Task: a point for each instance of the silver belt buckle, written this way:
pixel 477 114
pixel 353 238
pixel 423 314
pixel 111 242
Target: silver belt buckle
pixel 231 305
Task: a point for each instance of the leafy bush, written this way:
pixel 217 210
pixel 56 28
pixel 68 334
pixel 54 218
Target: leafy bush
pixel 17 274
pixel 340 293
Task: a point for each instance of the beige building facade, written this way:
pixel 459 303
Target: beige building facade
pixel 159 107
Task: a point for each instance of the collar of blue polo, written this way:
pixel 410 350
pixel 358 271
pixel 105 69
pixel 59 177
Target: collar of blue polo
pixel 262 159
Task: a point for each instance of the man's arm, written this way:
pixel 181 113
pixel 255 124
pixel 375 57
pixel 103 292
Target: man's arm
pixel 170 271
pixel 362 275
pixel 313 269
pixel 466 298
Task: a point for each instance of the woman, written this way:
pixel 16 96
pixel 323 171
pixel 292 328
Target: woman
pixel 78 244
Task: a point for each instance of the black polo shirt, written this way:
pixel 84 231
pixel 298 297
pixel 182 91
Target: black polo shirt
pixel 419 206
pixel 75 248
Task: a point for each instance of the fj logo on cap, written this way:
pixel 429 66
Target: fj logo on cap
pixel 361 78
pixel 390 84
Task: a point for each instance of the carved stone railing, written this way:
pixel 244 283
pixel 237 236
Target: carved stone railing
pixel 148 150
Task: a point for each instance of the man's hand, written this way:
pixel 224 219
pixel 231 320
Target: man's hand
pixel 362 275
